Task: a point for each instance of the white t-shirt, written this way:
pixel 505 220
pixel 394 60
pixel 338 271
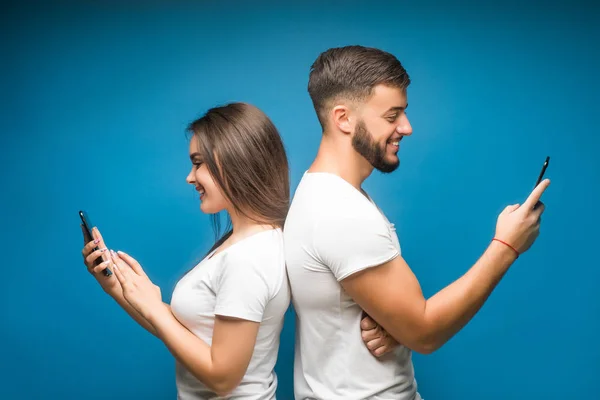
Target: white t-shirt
pixel 333 231
pixel 247 280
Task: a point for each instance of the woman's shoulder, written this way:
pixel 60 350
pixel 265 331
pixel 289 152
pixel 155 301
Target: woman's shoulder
pixel 262 249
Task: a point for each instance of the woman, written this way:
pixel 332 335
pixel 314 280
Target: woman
pixel 226 314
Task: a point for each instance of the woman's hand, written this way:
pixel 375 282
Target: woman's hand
pixel 109 284
pixel 139 291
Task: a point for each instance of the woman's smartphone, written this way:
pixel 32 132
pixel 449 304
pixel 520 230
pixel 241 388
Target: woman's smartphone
pixel 543 171
pixel 87 227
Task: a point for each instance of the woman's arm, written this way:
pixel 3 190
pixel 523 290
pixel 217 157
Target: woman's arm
pixel 221 366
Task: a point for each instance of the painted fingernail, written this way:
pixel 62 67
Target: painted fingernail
pixel 103 249
pixel 96 241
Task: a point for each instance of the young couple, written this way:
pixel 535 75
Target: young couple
pixel 331 252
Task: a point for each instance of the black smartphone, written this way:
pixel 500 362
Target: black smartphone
pixel 87 226
pixel 543 171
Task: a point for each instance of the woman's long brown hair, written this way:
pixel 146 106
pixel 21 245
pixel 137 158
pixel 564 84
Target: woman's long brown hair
pixel 245 155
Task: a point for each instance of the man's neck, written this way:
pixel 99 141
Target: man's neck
pixel 339 158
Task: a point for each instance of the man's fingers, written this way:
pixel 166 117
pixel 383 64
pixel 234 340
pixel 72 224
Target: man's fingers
pixel 382 350
pixel 375 344
pixel 368 323
pixel 371 334
pixel 539 209
pixel 536 194
pixel 388 344
pixel 381 346
pixel 511 208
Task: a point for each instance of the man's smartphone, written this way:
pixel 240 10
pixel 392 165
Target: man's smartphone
pixel 87 227
pixel 543 171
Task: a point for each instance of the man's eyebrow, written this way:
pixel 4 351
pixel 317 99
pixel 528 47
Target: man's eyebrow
pixel 397 108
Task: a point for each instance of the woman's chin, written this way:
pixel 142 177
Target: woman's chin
pixel 208 208
pixel 205 208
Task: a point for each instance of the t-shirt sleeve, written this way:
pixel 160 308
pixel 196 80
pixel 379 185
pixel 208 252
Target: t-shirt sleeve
pixel 351 244
pixel 243 290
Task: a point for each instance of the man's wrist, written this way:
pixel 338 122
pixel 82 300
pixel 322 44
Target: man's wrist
pixel 503 251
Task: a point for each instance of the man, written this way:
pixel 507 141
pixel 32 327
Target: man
pixel 343 255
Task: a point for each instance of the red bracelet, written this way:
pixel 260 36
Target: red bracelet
pixel 503 242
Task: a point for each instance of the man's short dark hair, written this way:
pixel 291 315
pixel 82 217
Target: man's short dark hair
pixel 351 73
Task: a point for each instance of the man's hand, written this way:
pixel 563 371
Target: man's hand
pixel 375 337
pixel 519 225
pixel 392 294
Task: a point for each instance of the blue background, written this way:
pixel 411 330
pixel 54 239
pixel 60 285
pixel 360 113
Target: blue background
pixel 95 100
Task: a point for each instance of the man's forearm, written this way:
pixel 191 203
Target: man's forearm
pixel 453 307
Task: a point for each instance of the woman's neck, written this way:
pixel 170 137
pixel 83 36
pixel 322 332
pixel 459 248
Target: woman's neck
pixel 244 226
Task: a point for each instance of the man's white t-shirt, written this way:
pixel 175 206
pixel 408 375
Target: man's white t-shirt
pixel 333 231
pixel 247 280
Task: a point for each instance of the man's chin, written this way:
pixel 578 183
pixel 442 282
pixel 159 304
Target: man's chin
pixel 388 167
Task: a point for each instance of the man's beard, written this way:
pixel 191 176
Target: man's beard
pixel 363 143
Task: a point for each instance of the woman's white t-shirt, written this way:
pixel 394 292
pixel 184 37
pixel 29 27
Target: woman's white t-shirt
pixel 247 280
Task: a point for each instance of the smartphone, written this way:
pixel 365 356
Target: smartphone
pixel 543 171
pixel 87 226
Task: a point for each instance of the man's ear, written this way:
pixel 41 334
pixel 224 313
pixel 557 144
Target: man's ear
pixel 342 120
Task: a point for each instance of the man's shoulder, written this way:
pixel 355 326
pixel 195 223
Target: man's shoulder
pixel 330 195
